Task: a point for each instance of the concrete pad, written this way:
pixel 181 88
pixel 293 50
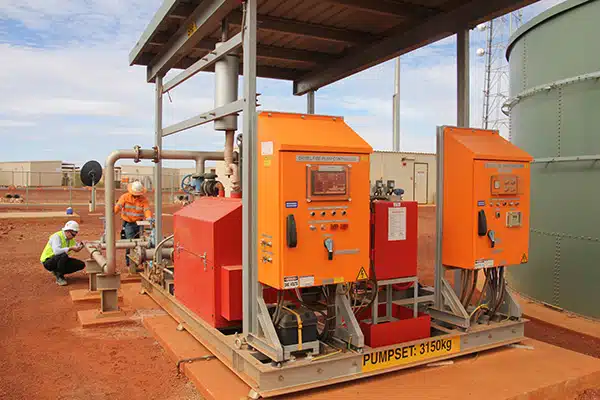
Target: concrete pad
pixel 133 298
pixel 127 277
pixel 212 379
pixel 546 372
pixel 94 318
pixel 83 295
pixel 38 215
pixel 564 319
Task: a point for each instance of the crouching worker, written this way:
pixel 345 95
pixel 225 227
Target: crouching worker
pixel 134 207
pixel 55 256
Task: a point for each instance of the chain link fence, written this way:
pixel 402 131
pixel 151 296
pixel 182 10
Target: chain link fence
pixel 51 188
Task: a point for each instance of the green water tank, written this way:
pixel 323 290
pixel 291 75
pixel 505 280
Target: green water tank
pixel 554 111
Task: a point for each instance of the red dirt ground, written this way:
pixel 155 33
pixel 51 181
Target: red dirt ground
pixel 44 354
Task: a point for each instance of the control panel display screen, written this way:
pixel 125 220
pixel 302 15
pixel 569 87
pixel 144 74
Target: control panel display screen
pixel 328 183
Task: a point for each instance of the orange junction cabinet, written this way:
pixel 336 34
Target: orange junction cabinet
pixel 313 201
pixel 486 200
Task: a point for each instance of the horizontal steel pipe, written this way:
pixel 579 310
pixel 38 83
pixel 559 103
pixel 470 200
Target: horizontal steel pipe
pixel 109 193
pixel 166 253
pixel 96 255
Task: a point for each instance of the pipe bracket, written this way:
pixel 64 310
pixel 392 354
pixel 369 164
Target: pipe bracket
pixel 138 150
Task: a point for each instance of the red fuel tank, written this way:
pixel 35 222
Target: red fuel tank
pixel 208 259
pixel 394 238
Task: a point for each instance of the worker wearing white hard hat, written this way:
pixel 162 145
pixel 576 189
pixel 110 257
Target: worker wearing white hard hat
pixel 56 255
pixel 134 207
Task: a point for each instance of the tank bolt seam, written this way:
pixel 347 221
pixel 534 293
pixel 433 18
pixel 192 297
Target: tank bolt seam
pixel 556 273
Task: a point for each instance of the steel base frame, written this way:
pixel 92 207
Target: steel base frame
pixel 267 379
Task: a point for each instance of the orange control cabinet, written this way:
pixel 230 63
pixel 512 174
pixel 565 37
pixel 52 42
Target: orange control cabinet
pixel 486 200
pixel 313 201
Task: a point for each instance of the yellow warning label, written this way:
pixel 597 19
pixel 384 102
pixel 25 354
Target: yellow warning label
pixel 191 29
pixel 524 258
pixel 267 161
pixel 339 279
pixel 362 275
pixel 409 354
pixel 364 158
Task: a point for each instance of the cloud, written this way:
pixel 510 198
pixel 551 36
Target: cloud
pixel 8 123
pixel 68 86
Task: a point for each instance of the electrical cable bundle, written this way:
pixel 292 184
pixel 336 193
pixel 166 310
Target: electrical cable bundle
pixel 495 287
pixel 468 286
pixel 326 310
pixel 364 293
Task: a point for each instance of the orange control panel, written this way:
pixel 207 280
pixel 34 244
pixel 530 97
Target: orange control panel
pixel 313 201
pixel 486 200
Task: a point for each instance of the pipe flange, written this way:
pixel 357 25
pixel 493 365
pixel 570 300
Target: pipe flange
pixel 156 157
pixel 137 150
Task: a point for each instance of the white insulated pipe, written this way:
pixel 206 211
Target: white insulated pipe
pixel 109 189
pixel 227 71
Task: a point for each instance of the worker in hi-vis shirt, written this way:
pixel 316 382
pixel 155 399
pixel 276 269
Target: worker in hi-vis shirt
pixel 133 207
pixel 55 256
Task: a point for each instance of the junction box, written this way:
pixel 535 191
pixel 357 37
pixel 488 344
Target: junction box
pixel 486 200
pixel 313 201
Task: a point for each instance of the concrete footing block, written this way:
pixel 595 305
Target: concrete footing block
pixel 96 318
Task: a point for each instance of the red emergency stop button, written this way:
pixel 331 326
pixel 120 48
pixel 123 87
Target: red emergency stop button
pixel 343 226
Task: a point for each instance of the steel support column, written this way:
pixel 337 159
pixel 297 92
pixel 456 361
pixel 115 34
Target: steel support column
pixel 310 102
pixel 439 206
pixel 462 102
pixel 158 165
pixel 396 101
pixel 462 78
pixel 249 177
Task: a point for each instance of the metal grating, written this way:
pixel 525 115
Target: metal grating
pixel 312 42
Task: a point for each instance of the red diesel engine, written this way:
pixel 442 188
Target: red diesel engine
pixel 208 259
pixel 394 238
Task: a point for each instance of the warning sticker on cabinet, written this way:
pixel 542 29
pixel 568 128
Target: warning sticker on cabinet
pixel 489 263
pixel 362 275
pixel 306 281
pixel 266 148
pixel 290 282
pixel 396 223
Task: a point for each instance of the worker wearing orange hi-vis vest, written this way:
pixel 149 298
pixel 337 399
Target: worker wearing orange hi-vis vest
pixel 133 207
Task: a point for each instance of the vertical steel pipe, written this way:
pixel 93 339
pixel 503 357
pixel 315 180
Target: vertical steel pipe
pixel 158 165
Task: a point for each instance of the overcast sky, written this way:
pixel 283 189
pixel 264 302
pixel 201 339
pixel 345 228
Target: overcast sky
pixel 69 94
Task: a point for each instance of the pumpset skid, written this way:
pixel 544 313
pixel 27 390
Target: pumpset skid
pixel 336 265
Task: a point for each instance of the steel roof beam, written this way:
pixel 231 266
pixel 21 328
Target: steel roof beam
pixel 182 11
pixel 263 71
pixel 401 41
pixel 314 31
pixel 387 8
pixel 162 13
pixel 210 59
pixel 264 51
pixel 199 24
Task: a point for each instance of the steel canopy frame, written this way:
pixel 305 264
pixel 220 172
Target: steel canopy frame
pixel 401 41
pixel 194 31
